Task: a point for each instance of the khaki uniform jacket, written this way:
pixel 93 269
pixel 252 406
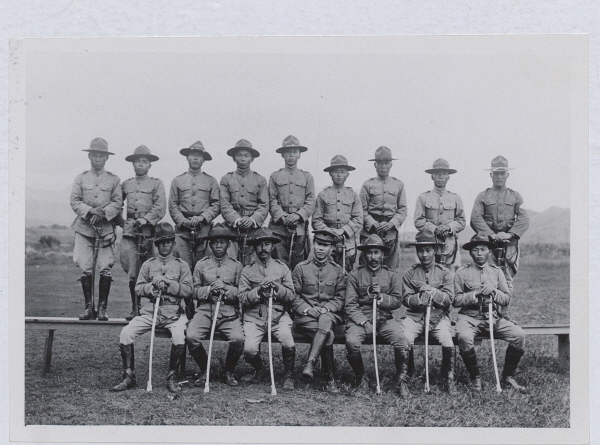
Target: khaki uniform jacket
pixel 245 195
pixel 93 189
pixel 438 207
pixel 383 199
pixel 291 191
pixel 146 198
pixel 255 307
pixel 206 272
pixel 469 279
pixel 499 211
pixel 339 208
pixel 318 286
pixel 359 306
pixel 436 276
pixel 197 194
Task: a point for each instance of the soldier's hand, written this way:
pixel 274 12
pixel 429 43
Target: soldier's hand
pixel 95 220
pixel 368 328
pixel 503 236
pixel 291 220
pixel 439 231
pixel 375 289
pixel 246 223
pixel 187 224
pixel 487 289
pixel 339 239
pixel 384 226
pixel 494 237
pixel 97 211
pixel 139 223
pixel 217 285
pixel 197 220
pixel 314 312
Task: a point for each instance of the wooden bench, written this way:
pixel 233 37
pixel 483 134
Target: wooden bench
pixel 51 324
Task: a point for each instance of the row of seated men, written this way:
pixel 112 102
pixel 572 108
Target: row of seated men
pixel 320 295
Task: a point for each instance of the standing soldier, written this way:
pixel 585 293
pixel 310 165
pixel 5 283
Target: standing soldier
pixel 262 278
pixel 193 204
pixel 244 200
pixel 441 212
pixel 374 281
pixel 96 199
pixel 339 210
pixel 384 207
pixel 292 203
pixel 217 277
pixel 320 286
pixel 428 283
pixel 474 286
pixel 146 206
pixel 498 214
pixel 170 279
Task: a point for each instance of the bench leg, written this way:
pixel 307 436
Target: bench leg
pixel 48 352
pixel 564 352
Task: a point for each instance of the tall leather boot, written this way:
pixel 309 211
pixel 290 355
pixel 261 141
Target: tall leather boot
pixel 234 352
pixel 289 361
pixel 176 352
pixel 315 349
pixel 103 291
pixel 129 380
pixel 86 285
pixel 135 302
pixel 513 357
pixel 356 363
pixel 470 359
pixel 199 355
pixel 328 367
pixel 260 372
pixel 401 357
pixel 447 369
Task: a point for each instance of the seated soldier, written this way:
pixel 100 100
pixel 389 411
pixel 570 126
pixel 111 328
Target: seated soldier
pixel 216 277
pixel 170 279
pixel 427 283
pixel 258 281
pixel 374 281
pixel 320 286
pixel 474 286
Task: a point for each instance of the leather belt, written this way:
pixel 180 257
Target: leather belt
pixel 381 218
pixel 191 214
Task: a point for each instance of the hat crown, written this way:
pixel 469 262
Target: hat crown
pixel 383 153
pixel 197 146
pixel 243 143
pixel 220 231
pixel 339 161
pixel 99 144
pixel 141 150
pixel 324 235
pixel 441 164
pixel 164 230
pixel 426 236
pixel 499 162
pixel 374 241
pixel 262 233
pixel 291 141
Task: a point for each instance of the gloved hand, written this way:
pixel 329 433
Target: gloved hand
pixel 368 328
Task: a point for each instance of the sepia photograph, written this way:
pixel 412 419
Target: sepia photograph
pixel 335 232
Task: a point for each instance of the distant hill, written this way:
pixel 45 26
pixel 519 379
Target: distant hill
pixel 47 207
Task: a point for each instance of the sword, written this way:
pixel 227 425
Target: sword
pixel 156 305
pixel 97 237
pixel 375 338
pixel 269 320
pixel 210 343
pixel 242 240
pixel 427 318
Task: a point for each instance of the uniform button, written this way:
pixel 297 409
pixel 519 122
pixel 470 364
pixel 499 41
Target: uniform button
pixel 243 185
pixel 218 276
pixel 338 200
pixel 338 210
pixel 241 196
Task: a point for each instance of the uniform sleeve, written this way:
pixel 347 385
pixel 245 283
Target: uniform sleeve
pixel 261 212
pixel 444 295
pixel 502 293
pixel 200 287
pixel 477 222
pixel 410 295
pixel 230 215
pixel 317 220
pixel 214 207
pixel 174 211
pixel 393 299
pixel 159 204
pixel 356 217
pixel 462 295
pixel 521 218
pixel 369 221
pixel 143 286
pixel 77 204
pixel 286 294
pixel 336 304
pixel 274 207
pixel 184 286
pixel 233 290
pixel 458 224
pixel 421 222
pixel 113 208
pixel 401 209
pixel 299 305
pixel 246 294
pixel 308 208
pixel 351 306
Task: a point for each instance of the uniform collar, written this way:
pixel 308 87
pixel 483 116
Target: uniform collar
pixel 318 263
pixel 266 263
pixel 383 179
pixel 291 169
pixel 194 173
pixel 220 261
pixel 501 189
pixel 439 191
pixel 141 177
pixel 373 271
pixel 97 172
pixel 480 268
pixel 243 173
pixel 340 187
pixel 165 259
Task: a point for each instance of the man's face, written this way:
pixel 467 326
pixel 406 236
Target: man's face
pixel 97 160
pixel 339 176
pixel 383 168
pixel 141 166
pixel 322 250
pixel 165 247
pixel 291 156
pixel 480 254
pixel 426 255
pixel 243 159
pixel 263 250
pixel 374 257
pixel 219 247
pixel 499 178
pixel 440 178
pixel 195 160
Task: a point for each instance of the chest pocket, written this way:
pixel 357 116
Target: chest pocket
pixel 310 287
pixel 376 196
pixel 431 209
pixel 185 191
pixel 327 291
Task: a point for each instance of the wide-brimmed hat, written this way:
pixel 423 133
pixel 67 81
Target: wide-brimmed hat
pixel 499 163
pixel 141 151
pixel 441 165
pixel 219 231
pixel 164 231
pixel 425 238
pixel 291 142
pixel 99 145
pixel 324 236
pixel 196 146
pixel 383 154
pixel 478 240
pixel 373 242
pixel 262 234
pixel 339 161
pixel 243 144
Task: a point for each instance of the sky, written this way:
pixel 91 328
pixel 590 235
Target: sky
pixel 464 106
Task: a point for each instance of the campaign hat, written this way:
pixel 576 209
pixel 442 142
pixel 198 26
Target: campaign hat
pixel 383 154
pixel 477 240
pixel 373 241
pixel 425 238
pixel 339 161
pixel 243 144
pixel 324 236
pixel 219 231
pixel 164 231
pixel 441 165
pixel 196 146
pixel 291 142
pixel 499 163
pixel 99 145
pixel 262 234
pixel 141 151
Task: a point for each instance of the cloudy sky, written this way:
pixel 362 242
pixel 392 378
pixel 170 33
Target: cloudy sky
pixel 466 99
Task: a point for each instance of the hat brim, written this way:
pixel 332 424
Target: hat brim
pixel 91 150
pixel 323 240
pixel 471 244
pixel 384 159
pixel 230 237
pixel 450 171
pixel 373 246
pixel 186 151
pixel 254 242
pixel 233 151
pixel 423 243
pixel 163 238
pixel 333 167
pixel 302 148
pixel 499 169
pixel 132 158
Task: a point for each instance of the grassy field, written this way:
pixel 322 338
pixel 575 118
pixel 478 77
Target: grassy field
pixel 84 370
